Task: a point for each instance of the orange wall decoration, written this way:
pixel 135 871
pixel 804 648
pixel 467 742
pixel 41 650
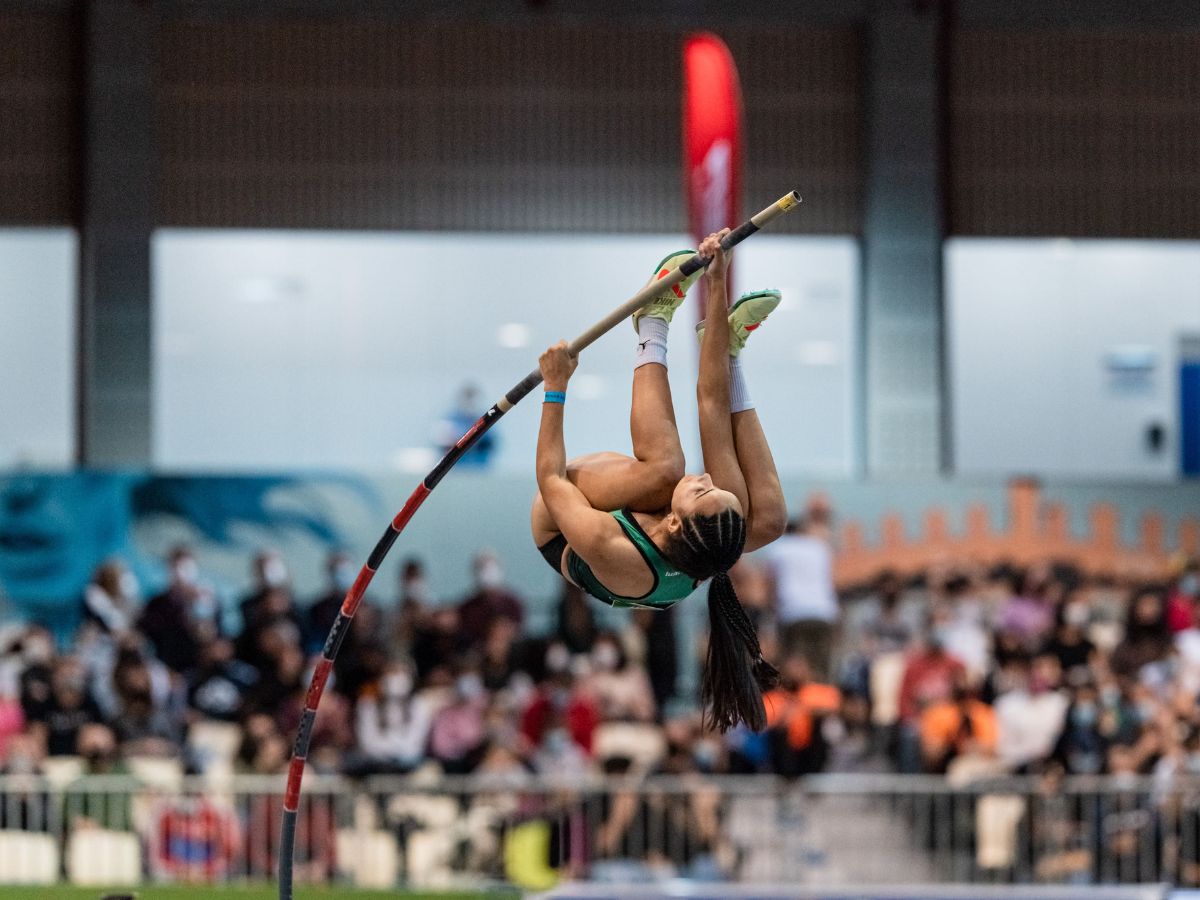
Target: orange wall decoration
pixel 1037 531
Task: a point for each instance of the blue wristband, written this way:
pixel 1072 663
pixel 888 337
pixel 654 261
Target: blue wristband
pixel 555 397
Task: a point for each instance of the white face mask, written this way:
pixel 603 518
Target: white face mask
pixel 274 572
pixel 397 685
pixel 417 589
pixel 186 571
pixel 605 657
pixel 469 686
pixel 558 658
pixel 490 575
pixel 1076 614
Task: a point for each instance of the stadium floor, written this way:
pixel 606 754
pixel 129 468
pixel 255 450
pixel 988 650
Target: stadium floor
pixel 197 892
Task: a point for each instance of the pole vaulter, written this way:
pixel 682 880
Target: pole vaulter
pixel 291 801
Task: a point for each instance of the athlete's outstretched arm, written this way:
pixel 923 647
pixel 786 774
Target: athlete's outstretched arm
pixel 712 385
pixel 589 532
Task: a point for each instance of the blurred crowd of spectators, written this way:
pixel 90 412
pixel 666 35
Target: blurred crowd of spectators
pixel 959 669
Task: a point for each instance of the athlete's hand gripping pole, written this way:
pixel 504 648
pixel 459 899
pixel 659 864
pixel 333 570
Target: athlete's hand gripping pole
pixel 341 625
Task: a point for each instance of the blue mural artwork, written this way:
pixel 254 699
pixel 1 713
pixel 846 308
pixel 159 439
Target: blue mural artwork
pixel 56 528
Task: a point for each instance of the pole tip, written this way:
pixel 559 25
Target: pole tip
pixel 796 198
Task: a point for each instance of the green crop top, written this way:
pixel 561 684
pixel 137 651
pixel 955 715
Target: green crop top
pixel 670 585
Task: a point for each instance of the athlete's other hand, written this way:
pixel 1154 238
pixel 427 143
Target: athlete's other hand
pixel 557 365
pixel 711 248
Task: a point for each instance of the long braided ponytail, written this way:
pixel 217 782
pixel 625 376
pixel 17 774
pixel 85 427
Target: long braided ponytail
pixel 735 673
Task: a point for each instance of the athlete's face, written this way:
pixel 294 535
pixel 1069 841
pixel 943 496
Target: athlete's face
pixel 696 495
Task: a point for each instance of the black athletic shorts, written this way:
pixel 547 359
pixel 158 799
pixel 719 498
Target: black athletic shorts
pixel 552 551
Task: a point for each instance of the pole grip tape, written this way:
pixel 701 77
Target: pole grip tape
pixel 523 387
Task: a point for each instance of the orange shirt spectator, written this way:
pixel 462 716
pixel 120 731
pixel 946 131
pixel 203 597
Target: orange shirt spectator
pixel 796 710
pixel 950 728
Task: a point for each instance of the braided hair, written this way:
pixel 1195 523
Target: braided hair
pixel 735 673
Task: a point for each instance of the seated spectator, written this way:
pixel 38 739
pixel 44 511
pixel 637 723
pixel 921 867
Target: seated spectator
pixel 262 745
pixel 12 716
pixel 391 723
pixel 216 687
pixel 281 675
pixel 1028 615
pixel 557 754
pixel 490 601
pixel 145 725
pixel 110 599
pixel 34 650
pixel 267 606
pixel 961 725
pixel 412 607
pixel 961 620
pixel 1182 598
pixel 930 674
pixel 1147 636
pixel 179 619
pixel 655 629
pixel 437 644
pixel 559 696
pixel 320 616
pixel 68 708
pixel 1082 748
pixel 1031 716
pixel 620 689
pixel 332 730
pixel 886 630
pixel 576 628
pixel 499 657
pixel 795 713
pixel 1070 643
pixel 457 737
pixel 364 652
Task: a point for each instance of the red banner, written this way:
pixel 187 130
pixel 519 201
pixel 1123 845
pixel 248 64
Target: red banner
pixel 712 137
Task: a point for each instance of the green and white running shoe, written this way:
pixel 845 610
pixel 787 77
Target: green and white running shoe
pixel 664 305
pixel 746 315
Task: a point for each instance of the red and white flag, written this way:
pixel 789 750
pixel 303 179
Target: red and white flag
pixel 712 138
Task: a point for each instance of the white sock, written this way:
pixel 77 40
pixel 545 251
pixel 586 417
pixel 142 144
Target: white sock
pixel 652 342
pixel 739 395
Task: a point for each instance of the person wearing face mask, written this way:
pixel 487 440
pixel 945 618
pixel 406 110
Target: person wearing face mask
pixel 458 735
pixel 270 603
pixel 1070 643
pixel 1082 748
pixel 930 674
pixel 391 724
pixel 1032 716
pixel 622 690
pixel 557 754
pixel 181 617
pixel 69 709
pixel 490 601
pixel 341 572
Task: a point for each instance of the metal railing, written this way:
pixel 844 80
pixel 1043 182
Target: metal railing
pixel 447 832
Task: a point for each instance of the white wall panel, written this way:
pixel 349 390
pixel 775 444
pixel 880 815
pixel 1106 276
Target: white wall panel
pixel 1031 327
pixel 285 349
pixel 37 346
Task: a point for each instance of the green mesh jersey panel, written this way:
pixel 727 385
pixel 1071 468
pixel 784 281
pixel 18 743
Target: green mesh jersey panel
pixel 670 585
